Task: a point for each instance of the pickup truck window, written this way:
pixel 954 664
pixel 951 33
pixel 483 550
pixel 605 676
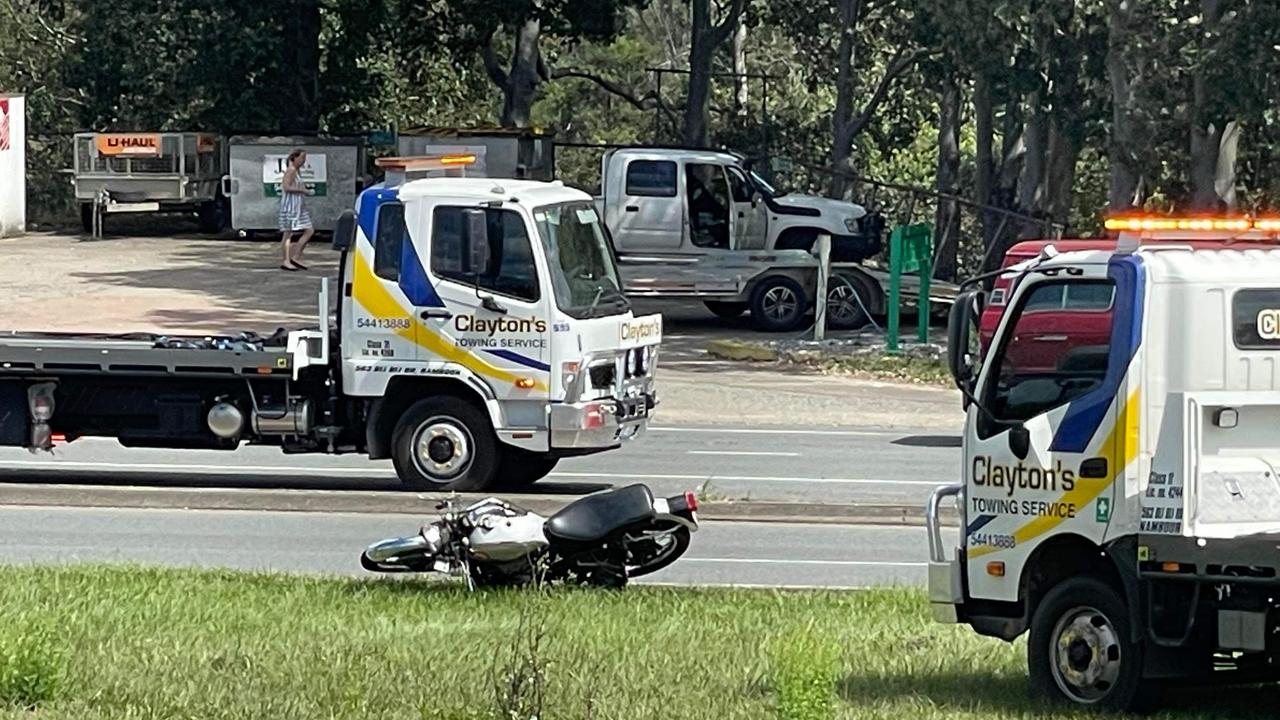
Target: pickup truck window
pixel 1055 349
pixel 709 204
pixel 511 270
pixel 651 178
pixel 739 186
pixel 388 242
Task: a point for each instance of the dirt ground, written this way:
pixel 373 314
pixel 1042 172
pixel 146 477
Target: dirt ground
pixel 167 285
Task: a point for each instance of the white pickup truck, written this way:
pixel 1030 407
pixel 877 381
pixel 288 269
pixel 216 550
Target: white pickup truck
pixel 700 224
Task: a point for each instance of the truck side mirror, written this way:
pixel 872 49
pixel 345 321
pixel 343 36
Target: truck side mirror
pixel 960 325
pixel 475 236
pixel 344 232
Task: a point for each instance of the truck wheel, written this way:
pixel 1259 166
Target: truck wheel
pixel 847 301
pixel 521 468
pixel 444 444
pixel 1080 651
pixel 726 310
pixel 86 217
pixel 778 304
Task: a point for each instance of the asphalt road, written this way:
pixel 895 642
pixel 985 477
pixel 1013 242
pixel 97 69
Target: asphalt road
pixel 779 464
pixel 743 554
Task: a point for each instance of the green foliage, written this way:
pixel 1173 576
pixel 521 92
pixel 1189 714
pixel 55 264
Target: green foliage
pixel 32 669
pixel 805 674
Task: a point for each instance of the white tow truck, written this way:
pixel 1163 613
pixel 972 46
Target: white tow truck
pixel 1121 501
pixel 700 224
pixel 481 335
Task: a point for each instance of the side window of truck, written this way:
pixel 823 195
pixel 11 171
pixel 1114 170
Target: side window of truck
pixel 651 178
pixel 388 241
pixel 1055 349
pixel 511 270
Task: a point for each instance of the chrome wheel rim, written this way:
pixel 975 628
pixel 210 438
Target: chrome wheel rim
pixel 442 449
pixel 1085 656
pixel 842 305
pixel 779 303
pixel 666 542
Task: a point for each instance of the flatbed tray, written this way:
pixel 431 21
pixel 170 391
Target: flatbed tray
pixel 61 353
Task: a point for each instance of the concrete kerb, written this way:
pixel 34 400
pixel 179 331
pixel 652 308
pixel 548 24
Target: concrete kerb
pixel 423 504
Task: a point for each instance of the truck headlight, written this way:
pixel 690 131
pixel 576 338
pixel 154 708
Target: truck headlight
pixel 851 224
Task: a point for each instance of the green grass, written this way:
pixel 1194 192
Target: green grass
pixel 140 643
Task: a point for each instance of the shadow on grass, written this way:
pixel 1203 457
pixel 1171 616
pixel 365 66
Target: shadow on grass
pixel 987 693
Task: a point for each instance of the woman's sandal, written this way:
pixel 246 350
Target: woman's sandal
pixel 300 266
pixel 288 269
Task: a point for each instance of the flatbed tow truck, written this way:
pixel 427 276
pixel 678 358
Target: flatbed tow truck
pixel 481 335
pixel 1120 497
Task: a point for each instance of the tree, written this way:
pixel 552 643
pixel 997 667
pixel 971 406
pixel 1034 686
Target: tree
pixel 707 37
pixel 516 28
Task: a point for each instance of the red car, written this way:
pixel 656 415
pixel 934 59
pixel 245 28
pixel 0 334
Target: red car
pixel 1055 319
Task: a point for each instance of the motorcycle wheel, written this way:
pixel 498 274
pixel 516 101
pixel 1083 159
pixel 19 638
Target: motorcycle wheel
pixel 661 545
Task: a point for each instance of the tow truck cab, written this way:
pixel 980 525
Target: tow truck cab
pixel 1119 500
pixel 481 336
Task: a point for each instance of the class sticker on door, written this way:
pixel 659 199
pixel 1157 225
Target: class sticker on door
pixel 314 174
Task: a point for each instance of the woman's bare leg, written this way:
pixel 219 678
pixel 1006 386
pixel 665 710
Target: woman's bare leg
pixel 286 253
pixel 302 244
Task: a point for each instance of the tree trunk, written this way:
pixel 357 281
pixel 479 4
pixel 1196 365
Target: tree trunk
pixel 521 87
pixel 947 219
pixel 1060 171
pixel 984 169
pixel 842 119
pixel 302 43
pixel 741 85
pixel 1123 148
pixel 1036 138
pixel 701 55
pixel 1206 137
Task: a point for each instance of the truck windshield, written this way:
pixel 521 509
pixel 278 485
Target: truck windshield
pixel 583 274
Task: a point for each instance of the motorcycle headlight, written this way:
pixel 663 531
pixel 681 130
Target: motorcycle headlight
pixel 851 224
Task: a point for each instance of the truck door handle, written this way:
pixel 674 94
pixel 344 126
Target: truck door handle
pixel 632 208
pixel 435 315
pixel 1049 338
pixel 1094 468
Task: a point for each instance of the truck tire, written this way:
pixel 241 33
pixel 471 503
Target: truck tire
pixel 444 443
pixel 86 217
pixel 778 304
pixel 1080 651
pixel 521 468
pixel 726 310
pixel 847 302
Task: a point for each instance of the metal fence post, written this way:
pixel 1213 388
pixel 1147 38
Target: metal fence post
pixel 895 287
pixel 824 276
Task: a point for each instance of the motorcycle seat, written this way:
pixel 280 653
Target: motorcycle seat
pixel 595 517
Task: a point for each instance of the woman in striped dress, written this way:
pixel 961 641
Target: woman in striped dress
pixel 293 213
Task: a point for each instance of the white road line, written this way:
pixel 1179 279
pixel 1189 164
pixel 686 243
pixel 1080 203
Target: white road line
pixel 741 452
pixel 774 561
pixel 373 472
pixel 776 431
pixel 744 478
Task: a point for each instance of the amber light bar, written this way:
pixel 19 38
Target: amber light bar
pixel 424 162
pixel 1149 223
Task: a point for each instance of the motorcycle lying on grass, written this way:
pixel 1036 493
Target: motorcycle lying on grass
pixel 601 540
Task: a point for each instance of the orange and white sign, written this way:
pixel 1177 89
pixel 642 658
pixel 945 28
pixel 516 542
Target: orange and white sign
pixel 4 124
pixel 144 144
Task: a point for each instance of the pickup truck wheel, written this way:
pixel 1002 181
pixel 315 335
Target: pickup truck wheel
pixel 778 304
pixel 847 300
pixel 1080 651
pixel 520 468
pixel 444 444
pixel 726 310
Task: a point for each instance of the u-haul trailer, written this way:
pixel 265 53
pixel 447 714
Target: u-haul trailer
pixel 481 336
pixel 1121 495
